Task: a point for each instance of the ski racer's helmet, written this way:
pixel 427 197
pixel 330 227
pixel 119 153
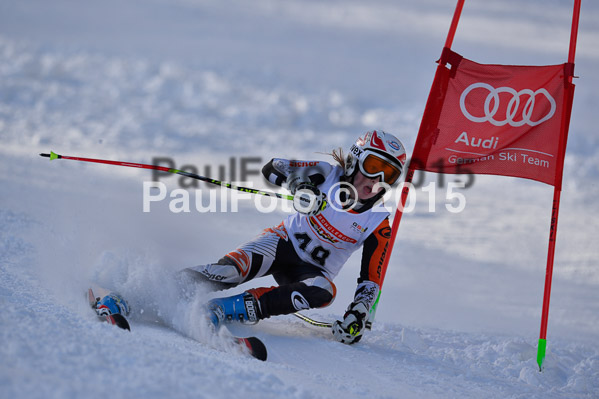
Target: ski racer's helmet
pixel 376 154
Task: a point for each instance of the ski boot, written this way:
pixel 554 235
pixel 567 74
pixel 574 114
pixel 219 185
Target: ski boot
pixel 242 307
pixel 112 303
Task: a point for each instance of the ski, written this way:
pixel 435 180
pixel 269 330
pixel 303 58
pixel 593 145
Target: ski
pixel 253 346
pixel 115 319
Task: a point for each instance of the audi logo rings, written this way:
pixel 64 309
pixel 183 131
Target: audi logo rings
pixel 512 106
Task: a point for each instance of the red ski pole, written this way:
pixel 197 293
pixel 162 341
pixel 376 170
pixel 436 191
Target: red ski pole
pixel 54 156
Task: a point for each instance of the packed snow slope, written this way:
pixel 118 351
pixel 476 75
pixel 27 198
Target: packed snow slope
pixel 222 87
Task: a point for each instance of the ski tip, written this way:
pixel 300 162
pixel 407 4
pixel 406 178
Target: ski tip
pixel 52 155
pixel 256 347
pixel 119 320
pixel 91 298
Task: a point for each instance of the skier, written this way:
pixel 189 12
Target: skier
pixel 339 209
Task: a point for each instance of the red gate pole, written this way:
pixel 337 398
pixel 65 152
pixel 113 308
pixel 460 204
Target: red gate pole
pixel 454 23
pixel 557 189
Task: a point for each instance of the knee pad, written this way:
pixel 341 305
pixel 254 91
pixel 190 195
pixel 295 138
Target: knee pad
pixel 315 292
pixel 322 291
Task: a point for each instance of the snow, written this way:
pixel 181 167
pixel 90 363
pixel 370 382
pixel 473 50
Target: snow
pixel 202 82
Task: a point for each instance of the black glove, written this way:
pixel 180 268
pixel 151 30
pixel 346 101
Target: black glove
pixel 308 199
pixel 349 330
